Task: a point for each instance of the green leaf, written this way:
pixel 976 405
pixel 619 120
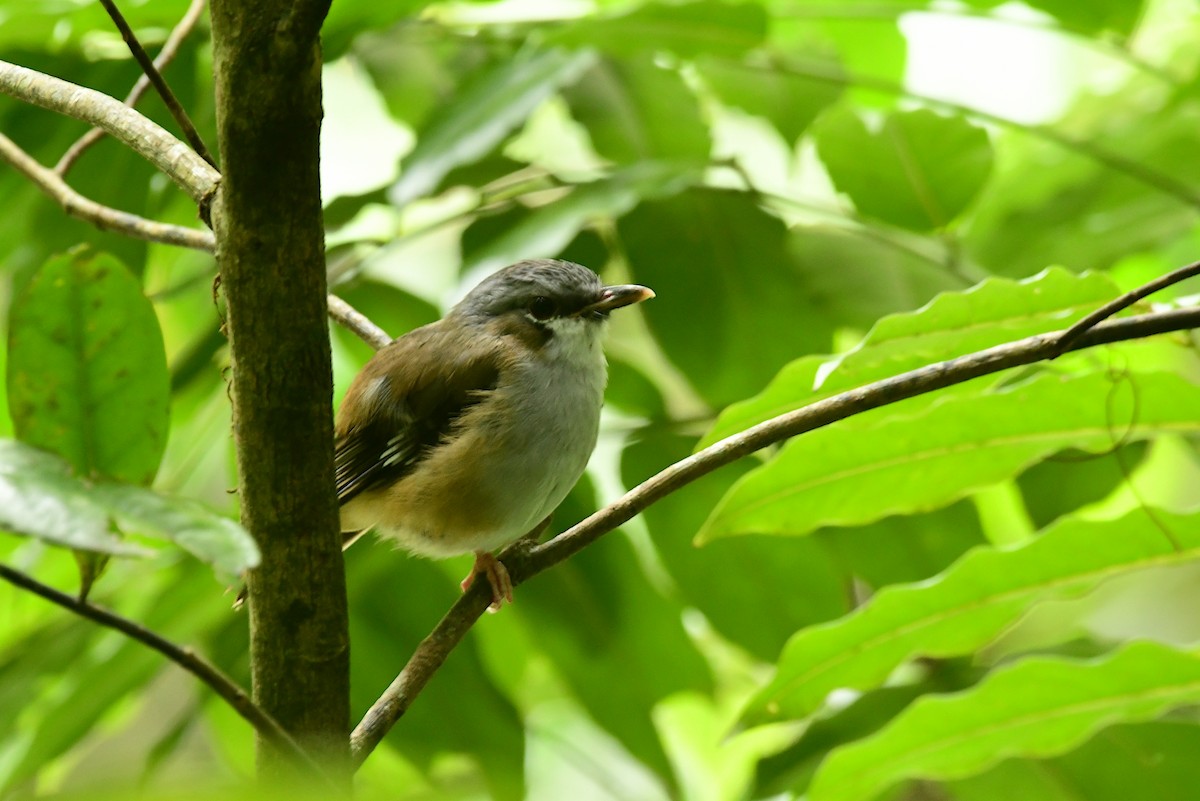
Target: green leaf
pixel 636 110
pixel 726 285
pixel 212 538
pixel 87 371
pixel 853 472
pixel 967 606
pixel 1036 707
pixel 1094 17
pixel 686 29
pixel 789 101
pixel 41 498
pixel 479 116
pixel 1146 761
pixel 953 324
pixel 919 170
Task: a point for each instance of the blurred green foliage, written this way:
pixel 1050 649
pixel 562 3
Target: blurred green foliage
pixel 798 203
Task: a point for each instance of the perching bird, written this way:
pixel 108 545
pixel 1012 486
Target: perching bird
pixel 463 435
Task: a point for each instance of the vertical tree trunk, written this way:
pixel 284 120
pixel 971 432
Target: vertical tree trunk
pixel 270 249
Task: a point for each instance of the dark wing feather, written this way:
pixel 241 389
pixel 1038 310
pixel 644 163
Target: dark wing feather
pixel 404 401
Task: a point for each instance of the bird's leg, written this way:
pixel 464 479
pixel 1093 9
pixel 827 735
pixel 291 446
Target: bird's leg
pixel 497 576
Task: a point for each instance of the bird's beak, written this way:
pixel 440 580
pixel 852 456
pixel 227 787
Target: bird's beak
pixel 614 297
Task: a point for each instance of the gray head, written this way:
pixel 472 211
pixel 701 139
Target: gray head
pixel 547 293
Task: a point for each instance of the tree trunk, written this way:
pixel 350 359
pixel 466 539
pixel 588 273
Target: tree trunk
pixel 270 250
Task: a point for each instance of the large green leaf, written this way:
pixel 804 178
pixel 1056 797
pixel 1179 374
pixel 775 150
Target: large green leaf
pixel 854 472
pixel 967 606
pixel 919 170
pixel 636 110
pixel 1035 707
pixel 477 118
pixel 995 311
pixel 87 371
pixel 731 309
pixel 1094 17
pixel 686 29
pixel 41 497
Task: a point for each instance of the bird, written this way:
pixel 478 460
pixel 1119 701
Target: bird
pixel 464 435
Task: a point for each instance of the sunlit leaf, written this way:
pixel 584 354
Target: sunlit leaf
pixel 968 605
pixel 995 311
pixel 1035 707
pixel 850 472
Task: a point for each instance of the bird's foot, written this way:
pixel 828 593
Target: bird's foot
pixel 497 576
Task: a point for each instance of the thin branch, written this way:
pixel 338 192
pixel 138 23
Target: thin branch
pixel 178 161
pixel 524 562
pixel 357 322
pixel 165 56
pixel 1124 302
pixel 186 658
pixel 105 217
pixel 168 97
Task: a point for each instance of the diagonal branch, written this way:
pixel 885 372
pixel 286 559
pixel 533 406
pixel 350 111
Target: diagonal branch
pixel 164 91
pixel 106 217
pixel 173 157
pixel 524 562
pixel 165 56
pixel 186 658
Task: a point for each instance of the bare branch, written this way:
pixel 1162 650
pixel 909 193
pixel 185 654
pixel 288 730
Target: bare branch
pixel 357 322
pixel 106 217
pixel 186 658
pixel 173 157
pixel 523 562
pixel 1124 302
pixel 165 56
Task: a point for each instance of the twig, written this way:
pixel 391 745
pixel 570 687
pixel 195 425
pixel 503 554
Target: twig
pixel 349 317
pixel 160 85
pixel 186 658
pixel 165 56
pixel 178 161
pixel 525 563
pixel 106 217
pixel 1124 302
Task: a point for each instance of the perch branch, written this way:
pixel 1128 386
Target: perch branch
pixel 186 658
pixel 524 562
pixel 165 56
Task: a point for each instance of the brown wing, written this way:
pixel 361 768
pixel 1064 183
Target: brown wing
pixel 404 401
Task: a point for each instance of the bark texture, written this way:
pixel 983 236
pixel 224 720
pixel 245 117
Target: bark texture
pixel 270 251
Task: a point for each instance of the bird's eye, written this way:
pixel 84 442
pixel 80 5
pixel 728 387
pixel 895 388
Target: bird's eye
pixel 542 308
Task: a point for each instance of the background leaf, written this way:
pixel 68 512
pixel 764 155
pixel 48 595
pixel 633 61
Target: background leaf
pixel 930 166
